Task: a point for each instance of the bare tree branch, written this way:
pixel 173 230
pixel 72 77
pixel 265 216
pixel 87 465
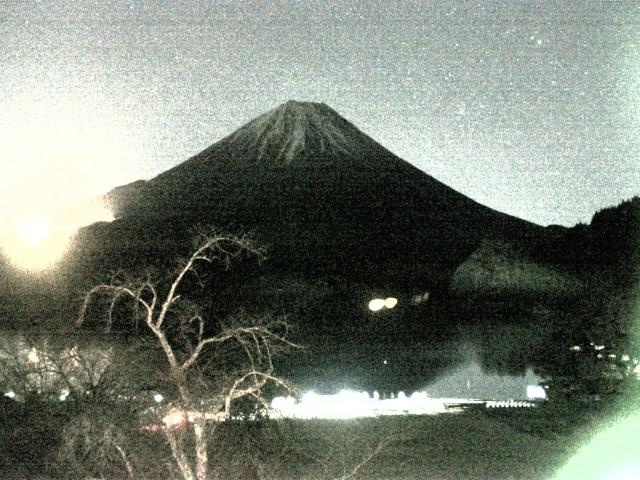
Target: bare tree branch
pixel 366 459
pixel 258 340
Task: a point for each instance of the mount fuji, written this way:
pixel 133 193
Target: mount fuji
pixel 324 196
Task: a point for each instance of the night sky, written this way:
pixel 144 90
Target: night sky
pixel 532 108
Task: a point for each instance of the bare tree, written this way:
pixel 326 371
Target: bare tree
pixel 102 441
pixel 197 351
pixel 43 368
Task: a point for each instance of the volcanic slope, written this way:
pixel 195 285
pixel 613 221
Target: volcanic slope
pixel 322 194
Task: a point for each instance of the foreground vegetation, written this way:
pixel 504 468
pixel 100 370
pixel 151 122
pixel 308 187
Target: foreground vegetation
pixel 38 442
pixel 191 351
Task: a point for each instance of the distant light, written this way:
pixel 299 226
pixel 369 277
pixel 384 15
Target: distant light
pixel 390 302
pixel 345 404
pixel 576 348
pixel 283 404
pixel 417 299
pixel 158 397
pixel 599 347
pixel 376 304
pixel 33 356
pixel 536 392
pixel 65 393
pixel 10 394
pixel 626 358
pixel 175 419
pixel 385 362
pixel 348 404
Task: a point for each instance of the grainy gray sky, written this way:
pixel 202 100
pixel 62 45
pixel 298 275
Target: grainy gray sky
pixel 532 108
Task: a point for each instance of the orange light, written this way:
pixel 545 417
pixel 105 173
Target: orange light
pixel 176 418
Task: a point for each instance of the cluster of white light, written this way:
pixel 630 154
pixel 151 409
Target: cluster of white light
pixel 351 404
pixel 378 304
pixel 536 392
pixel 625 357
pixel 509 404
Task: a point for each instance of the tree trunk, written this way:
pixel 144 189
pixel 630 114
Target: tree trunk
pixel 179 456
pixel 202 459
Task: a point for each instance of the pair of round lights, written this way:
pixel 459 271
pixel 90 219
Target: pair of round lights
pixel 378 304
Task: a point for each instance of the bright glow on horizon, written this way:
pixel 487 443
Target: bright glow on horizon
pixel 61 154
pixel 348 404
pixel 37 256
pixel 33 230
pixel 36 245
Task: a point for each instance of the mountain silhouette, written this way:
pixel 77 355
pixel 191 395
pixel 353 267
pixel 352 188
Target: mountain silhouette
pixel 324 196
